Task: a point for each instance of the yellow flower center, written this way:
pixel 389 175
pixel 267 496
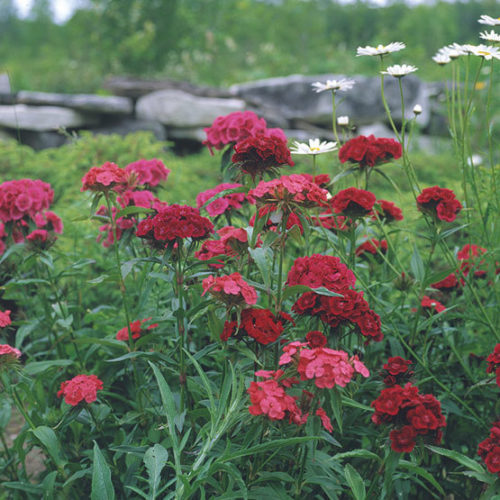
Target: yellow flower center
pixel 314 148
pixel 484 52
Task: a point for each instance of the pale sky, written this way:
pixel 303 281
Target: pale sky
pixel 62 8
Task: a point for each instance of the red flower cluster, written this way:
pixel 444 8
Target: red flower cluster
pixel 5 319
pixel 370 151
pixel 494 363
pixel 327 271
pixel 321 180
pixel 432 305
pixel 396 371
pixel 150 172
pixel 468 256
pixel 136 329
pixel 261 153
pixel 414 414
pixel 329 220
pixel 233 128
pixel 289 192
pixel 446 284
pixel 371 246
pixel 106 177
pixel 175 222
pixel 232 289
pixel 489 449
pixel 439 202
pixel 225 203
pixel 353 202
pixel 316 339
pixel 260 324
pixel 79 388
pixel 275 218
pixel 387 211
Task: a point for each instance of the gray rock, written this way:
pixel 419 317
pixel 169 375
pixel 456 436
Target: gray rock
pixel 176 108
pixel 130 125
pixel 4 83
pixel 188 133
pixel 295 98
pixel 81 102
pixel 5 136
pixel 42 140
pixel 43 118
pixel 376 129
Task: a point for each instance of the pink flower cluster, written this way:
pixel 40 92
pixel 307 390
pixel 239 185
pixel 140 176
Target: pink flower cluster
pixel 8 351
pixel 231 289
pixel 233 128
pixel 489 449
pixel 412 413
pixel 440 203
pixel 226 203
pixel 148 172
pixel 80 388
pixel 5 318
pixel 107 176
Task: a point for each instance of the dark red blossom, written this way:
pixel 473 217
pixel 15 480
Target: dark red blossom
pixel 432 305
pixel 403 440
pixel 441 203
pixel 494 363
pixel 316 339
pixel 353 202
pixel 372 246
pixel 387 211
pixel 397 365
pixel 370 151
pixel 80 388
pixel 489 449
pixel 446 284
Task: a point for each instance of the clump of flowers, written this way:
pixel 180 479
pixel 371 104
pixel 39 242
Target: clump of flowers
pixel 387 211
pixel 468 256
pixel 413 414
pixel 446 284
pixel 372 246
pixel 370 151
pixel 259 324
pixel 275 217
pixel 494 363
pixel 396 371
pixel 104 178
pixel 148 172
pixel 80 388
pixel 432 305
pixel 8 355
pixel 174 222
pixel 489 449
pixel 440 203
pixel 231 289
pixel 262 153
pixel 233 128
pixel 353 202
pixel 329 220
pixel 136 329
pixel 226 203
pixel 5 318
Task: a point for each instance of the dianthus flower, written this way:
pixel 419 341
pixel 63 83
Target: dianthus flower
pixel 468 256
pixel 174 222
pixel 275 218
pixel 370 151
pixel 413 413
pixel 150 172
pixel 49 220
pixel 387 211
pixel 494 363
pixel 136 329
pixel 231 289
pixel 288 193
pixel 107 176
pixel 448 283
pixel 329 220
pixel 226 203
pixel 396 371
pixel 321 180
pixel 5 319
pixel 325 419
pixel 353 202
pixel 489 449
pixel 79 388
pixel 316 339
pixel 233 128
pixel 8 351
pixel 371 246
pixel 431 304
pixel 260 324
pixel 262 153
pixel 439 202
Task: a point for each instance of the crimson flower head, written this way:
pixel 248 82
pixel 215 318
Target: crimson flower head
pixel 432 305
pixel 80 388
pixel 226 203
pixel 489 449
pixel 494 363
pixel 397 365
pixel 316 339
pixel 262 153
pixel 231 289
pixel 370 151
pixel 446 284
pixel 387 211
pixel 103 178
pixel 353 202
pixel 135 329
pixel 440 203
pixel 371 247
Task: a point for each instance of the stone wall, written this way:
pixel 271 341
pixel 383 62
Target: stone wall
pixel 178 111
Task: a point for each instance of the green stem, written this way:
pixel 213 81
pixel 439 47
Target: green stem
pixel 179 288
pixel 334 118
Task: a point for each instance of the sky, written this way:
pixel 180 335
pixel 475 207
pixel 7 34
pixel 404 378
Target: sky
pixel 62 8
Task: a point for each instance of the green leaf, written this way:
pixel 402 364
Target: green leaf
pixel 102 487
pixel 354 404
pixel 295 289
pixel 417 265
pixel 337 407
pixel 423 473
pixel 5 413
pixel 133 210
pixel 355 482
pixel 50 442
pixel 36 367
pixel 356 454
pixel 458 457
pixel 155 460
pixel 263 258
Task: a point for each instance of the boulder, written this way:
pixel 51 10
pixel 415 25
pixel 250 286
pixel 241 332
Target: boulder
pixel 42 140
pixel 43 118
pixel 296 100
pixel 4 83
pixel 81 102
pixel 175 108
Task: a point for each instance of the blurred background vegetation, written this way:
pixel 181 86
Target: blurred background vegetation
pixel 220 42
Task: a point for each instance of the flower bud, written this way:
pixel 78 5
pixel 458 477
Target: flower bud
pixel 343 121
pixel 417 109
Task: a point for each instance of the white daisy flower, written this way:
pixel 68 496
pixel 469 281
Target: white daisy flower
pixel 441 58
pixel 490 21
pixel 343 84
pixel 486 51
pixel 399 70
pixel 453 51
pixel 343 121
pixel 380 50
pixel 491 36
pixel 315 147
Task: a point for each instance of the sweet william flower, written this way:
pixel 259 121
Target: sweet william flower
pixel 315 147
pixel 231 289
pixel 399 70
pixel 334 85
pixel 5 318
pixel 80 388
pixel 380 50
pixel 8 351
pixel 107 176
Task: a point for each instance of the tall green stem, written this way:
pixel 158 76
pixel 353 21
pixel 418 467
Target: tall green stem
pixel 334 118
